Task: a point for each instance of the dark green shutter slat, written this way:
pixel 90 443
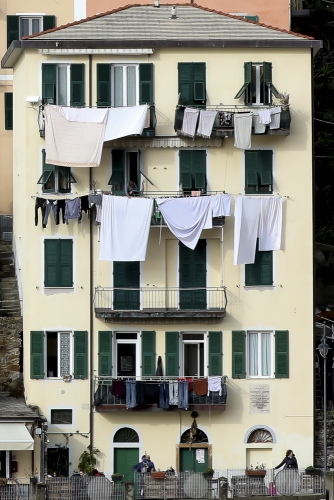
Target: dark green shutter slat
pixel 103 85
pixel 186 169
pixel 281 354
pixel 192 275
pixel 215 353
pixel 258 166
pixel 172 354
pixel 36 354
pixel 105 353
pixel 267 80
pixel 266 178
pixel 49 79
pixel 66 262
pixel 238 354
pixel 261 272
pixel 81 354
pixel 13 29
pixel 199 169
pixel 126 276
pixel 51 169
pixel 8 110
pixel 146 83
pixel 186 83
pixel 148 353
pixel 199 71
pixel 51 263
pixel 49 22
pixel 77 85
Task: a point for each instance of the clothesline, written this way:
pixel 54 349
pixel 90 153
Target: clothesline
pixel 162 194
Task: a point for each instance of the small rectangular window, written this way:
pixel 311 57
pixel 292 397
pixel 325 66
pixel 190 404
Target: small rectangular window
pixel 55 179
pixel 258 171
pixel 124 91
pixel 193 171
pixel 8 110
pixel 58 263
pixel 261 272
pixel 260 354
pixel 61 417
pixel 193 355
pixel 257 87
pixel 30 26
pixel 58 354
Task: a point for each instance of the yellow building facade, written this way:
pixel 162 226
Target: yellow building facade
pixel 79 338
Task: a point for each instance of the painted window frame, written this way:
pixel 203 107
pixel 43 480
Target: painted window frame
pixel 116 342
pixel 30 18
pixel 61 410
pixel 259 354
pixel 124 83
pixel 70 354
pixel 184 341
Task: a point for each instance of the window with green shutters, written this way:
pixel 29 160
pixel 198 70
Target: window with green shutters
pixel 81 354
pixel 192 276
pixel 215 353
pixel 105 353
pixel 261 272
pixel 258 171
pixel 126 285
pixel 55 179
pixel 55 78
pixel 20 26
pixel 77 83
pixel 238 354
pixel 257 87
pixel 37 354
pixel 193 170
pixel 8 110
pixel 148 353
pixel 58 263
pixel 282 354
pixel 192 84
pixel 172 353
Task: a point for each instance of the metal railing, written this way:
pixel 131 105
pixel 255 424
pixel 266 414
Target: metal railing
pixel 13 489
pixel 83 488
pixel 6 227
pixel 160 299
pixel 108 391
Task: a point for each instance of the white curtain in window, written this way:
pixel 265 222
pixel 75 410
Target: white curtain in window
pixel 24 27
pixel 35 26
pixel 266 354
pixel 131 85
pixel 118 86
pixel 253 354
pixel 62 86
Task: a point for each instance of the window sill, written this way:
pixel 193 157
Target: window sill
pixel 255 287
pixel 59 288
pixel 270 377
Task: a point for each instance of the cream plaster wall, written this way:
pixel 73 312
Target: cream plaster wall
pixel 286 305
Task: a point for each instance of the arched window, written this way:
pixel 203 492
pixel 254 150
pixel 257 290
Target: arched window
pixel 126 435
pixel 199 437
pixel 260 436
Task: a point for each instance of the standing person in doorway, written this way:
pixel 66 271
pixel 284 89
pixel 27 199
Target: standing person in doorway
pixel 289 461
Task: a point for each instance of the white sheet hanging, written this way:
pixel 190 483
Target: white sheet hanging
pixel 270 228
pixel 125 226
pixel 246 223
pixel 243 130
pixel 221 204
pixel 189 121
pixel 74 143
pixel 88 115
pixel 126 120
pixel 187 217
pixel 205 124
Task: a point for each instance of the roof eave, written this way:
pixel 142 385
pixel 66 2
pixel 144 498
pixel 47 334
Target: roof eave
pixel 16 47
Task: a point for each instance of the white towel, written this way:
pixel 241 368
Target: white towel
pixel 259 128
pixel 187 217
pixel 215 385
pixel 270 227
pixel 264 115
pixel 243 130
pixel 74 143
pixel 189 121
pixel 246 223
pixel 275 118
pixel 206 121
pixel 221 205
pixel 125 226
pixel 126 120
pixel 173 392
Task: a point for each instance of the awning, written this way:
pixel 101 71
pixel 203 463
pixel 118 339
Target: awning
pixel 15 437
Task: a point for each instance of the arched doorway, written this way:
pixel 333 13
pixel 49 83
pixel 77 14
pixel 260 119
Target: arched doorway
pixel 194 451
pixel 255 453
pixel 126 452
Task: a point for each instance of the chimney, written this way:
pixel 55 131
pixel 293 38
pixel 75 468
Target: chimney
pixel 156 3
pixel 174 12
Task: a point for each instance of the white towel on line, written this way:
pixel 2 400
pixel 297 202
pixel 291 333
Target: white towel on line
pixel 265 116
pixel 173 392
pixel 215 385
pixel 221 204
pixel 275 118
pixel 259 127
pixel 206 121
pixel 126 120
pixel 243 130
pixel 189 121
pixel 246 224
pixel 270 227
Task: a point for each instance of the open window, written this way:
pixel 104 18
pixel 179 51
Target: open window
pixel 63 84
pixel 258 87
pixel 193 355
pixel 125 168
pixel 55 179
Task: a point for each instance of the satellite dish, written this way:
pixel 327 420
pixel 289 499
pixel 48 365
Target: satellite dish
pixel 196 486
pixel 100 488
pixel 287 482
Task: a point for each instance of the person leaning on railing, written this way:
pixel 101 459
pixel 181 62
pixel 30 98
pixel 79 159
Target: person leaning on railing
pixel 289 461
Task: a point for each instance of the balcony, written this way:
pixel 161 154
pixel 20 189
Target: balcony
pixel 106 400
pixel 157 302
pixel 225 130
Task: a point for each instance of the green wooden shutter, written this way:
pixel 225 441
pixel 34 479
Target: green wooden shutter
pixel 49 80
pixel 199 70
pixel 266 82
pixel 192 274
pixel 281 354
pixel 172 354
pixel 13 29
pixel 186 83
pixel 77 85
pixel 146 83
pixel 261 272
pixel 103 85
pixel 81 354
pixel 105 353
pixel 238 354
pixel 126 275
pixel 49 22
pixel 186 178
pixel 215 353
pixel 51 263
pixel 118 171
pixel 248 83
pixel 8 110
pixel 258 171
pixel 66 262
pixel 199 169
pixel 47 179
pixel 148 353
pixel 36 354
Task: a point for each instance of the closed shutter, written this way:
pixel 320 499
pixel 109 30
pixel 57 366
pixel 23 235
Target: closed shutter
pixel 199 70
pixel 126 276
pixel 13 28
pixel 199 169
pixel 186 83
pixel 172 354
pixel 77 85
pixel 8 110
pixel 103 85
pixel 49 79
pixel 51 263
pixel 81 354
pixel 258 171
pixel 36 354
pixel 105 353
pixel 238 354
pixel 193 170
pixel 148 353
pixel 49 22
pixel 192 275
pixel 146 83
pixel 66 262
pixel 261 272
pixel 215 353
pixel 186 170
pixel 281 354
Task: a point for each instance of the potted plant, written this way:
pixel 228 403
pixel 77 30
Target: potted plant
pixel 208 473
pixel 88 460
pixel 117 477
pixel 258 471
pixel 312 471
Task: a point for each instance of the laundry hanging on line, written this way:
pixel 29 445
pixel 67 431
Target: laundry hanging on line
pixel 205 124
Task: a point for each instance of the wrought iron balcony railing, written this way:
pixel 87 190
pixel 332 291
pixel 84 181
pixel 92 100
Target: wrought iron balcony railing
pixel 158 302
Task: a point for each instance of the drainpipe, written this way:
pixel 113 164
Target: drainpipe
pixel 91 290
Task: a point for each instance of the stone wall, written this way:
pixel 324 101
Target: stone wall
pixel 319 439
pixel 10 345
